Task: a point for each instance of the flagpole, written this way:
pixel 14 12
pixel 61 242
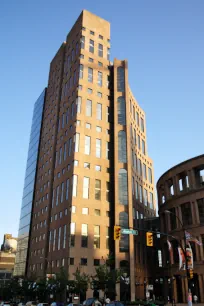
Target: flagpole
pixel 185 253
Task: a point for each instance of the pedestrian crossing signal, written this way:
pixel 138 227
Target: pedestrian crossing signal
pixel 149 239
pixel 117 232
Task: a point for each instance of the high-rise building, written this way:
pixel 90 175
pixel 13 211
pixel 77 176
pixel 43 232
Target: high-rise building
pixel 93 169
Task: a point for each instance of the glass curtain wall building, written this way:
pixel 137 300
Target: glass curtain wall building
pixel 29 184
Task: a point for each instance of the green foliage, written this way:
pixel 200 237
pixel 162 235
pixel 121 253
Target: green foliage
pixel 81 281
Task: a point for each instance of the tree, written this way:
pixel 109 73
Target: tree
pixel 81 283
pixel 106 277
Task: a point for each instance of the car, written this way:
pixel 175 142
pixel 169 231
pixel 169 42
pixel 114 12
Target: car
pixel 90 301
pixel 43 304
pixel 31 303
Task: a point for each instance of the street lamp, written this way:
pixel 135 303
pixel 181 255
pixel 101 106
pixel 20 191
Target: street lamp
pixel 185 247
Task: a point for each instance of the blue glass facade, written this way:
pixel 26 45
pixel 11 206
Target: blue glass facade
pixel 29 183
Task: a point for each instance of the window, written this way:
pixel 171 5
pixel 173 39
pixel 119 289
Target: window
pixel 186 214
pixel 97 189
pixel 120 79
pixel 100 79
pixel 108 54
pixel 83 261
pixel 108 191
pixel 87 148
pixel 140 193
pixel 99 111
pixel 73 209
pixel 98 168
pixel 59 237
pixel 107 114
pixel 74 185
pixel 200 204
pixel 85 211
pixel 89 90
pixel 122 151
pixel 54 239
pixel 150 175
pixel 98 129
pixel 82 42
pixel 65 150
pixel 72 232
pixel 142 124
pixel 60 156
pixel 145 197
pixel 91 46
pixel 139 166
pixel 70 147
pixel 86 188
pixel 143 147
pixel 151 202
pixel 96 236
pixel 121 111
pixel 67 189
pixel 107 237
pixel 122 187
pixel 81 56
pixel 84 235
pixel 88 126
pixel 76 162
pixel 144 172
pixel 90 75
pixel 91 60
pixel 88 108
pixel 99 94
pixel 57 195
pixel 138 141
pixel 87 165
pixel 100 64
pixel 71 261
pixel 62 192
pixel 124 242
pixel 100 36
pixel 96 262
pixel 78 103
pixel 97 212
pixel 77 138
pixel 81 69
pixel 137 118
pixel 92 33
pixel 98 148
pixel 100 50
pixel 108 150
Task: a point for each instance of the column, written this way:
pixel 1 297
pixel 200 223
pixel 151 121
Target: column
pixel 184 289
pixel 201 285
pixel 192 179
pixel 195 213
pixel 174 287
pixel 176 185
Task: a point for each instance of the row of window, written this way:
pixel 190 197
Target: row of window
pixel 58 237
pixel 91 48
pixel 77 107
pixel 90 78
pixel 60 263
pixel 93 33
pixel 141 168
pixel 142 194
pixel 136 140
pixel 61 193
pixel 139 120
pixel 66 150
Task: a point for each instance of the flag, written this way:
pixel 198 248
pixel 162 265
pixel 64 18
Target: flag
pixel 189 254
pixel 189 237
pixel 170 251
pixel 182 261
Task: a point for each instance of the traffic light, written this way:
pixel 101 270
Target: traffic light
pixel 117 232
pixel 149 239
pixel 191 273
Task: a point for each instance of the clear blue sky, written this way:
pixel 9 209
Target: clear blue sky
pixel 163 43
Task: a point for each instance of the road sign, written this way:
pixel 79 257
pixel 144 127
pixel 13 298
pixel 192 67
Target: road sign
pixel 127 231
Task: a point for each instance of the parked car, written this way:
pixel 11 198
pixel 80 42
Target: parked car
pixel 43 304
pixel 31 303
pixel 90 301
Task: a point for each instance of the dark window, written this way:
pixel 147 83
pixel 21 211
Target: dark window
pixel 120 79
pixel 96 262
pixel 121 111
pixel 83 261
pixel 186 214
pixel 122 151
pixel 84 241
pixel 200 203
pixel 124 242
pixel 72 242
pixel 122 187
pixel 71 261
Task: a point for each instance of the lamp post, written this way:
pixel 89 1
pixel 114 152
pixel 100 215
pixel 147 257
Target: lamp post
pixel 186 260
